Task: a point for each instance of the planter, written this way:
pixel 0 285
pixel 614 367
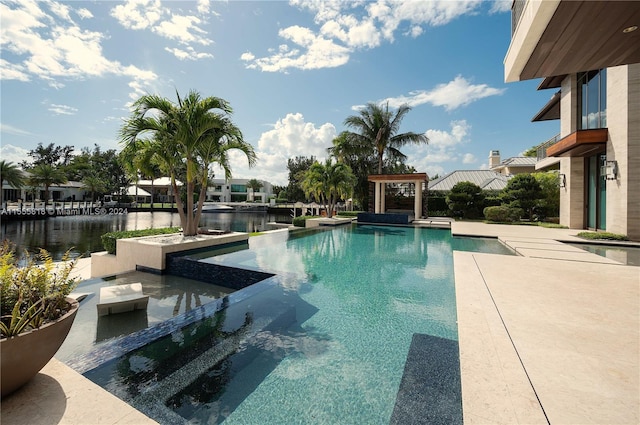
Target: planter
pixel 23 356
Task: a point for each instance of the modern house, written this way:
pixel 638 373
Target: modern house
pixel 511 166
pixel 589 53
pixel 236 190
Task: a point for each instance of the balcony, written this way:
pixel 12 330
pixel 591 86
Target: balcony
pixel 560 37
pixel 542 148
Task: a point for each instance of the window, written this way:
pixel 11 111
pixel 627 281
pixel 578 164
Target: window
pixel 592 92
pixel 238 188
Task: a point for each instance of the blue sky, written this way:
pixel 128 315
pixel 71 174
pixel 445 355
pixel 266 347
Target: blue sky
pixel 292 71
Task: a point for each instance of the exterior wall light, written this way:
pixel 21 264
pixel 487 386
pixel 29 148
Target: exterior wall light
pixel 562 179
pixel 610 170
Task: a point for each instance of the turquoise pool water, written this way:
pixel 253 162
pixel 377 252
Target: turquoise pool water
pixel 323 341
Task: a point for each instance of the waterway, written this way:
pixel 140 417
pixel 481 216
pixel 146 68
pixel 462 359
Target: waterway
pixel 82 233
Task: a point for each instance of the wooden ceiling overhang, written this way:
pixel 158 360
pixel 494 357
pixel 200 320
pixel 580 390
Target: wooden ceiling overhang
pixel 398 178
pixel 580 143
pixel 585 35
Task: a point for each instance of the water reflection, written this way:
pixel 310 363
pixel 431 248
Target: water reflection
pixel 82 233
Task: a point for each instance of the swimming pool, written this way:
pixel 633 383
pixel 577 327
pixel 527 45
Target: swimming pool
pixel 325 340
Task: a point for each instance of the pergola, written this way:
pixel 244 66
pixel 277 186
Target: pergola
pixel 380 180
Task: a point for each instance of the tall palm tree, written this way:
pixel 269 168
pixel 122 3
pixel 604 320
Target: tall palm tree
pixel 191 134
pixel 94 184
pixel 46 175
pixel 377 127
pixel 328 183
pixel 10 173
pixel 254 185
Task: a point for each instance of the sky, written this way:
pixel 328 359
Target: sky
pixel 292 72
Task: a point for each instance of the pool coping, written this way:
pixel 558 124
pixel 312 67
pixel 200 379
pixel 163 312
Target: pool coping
pixel 504 379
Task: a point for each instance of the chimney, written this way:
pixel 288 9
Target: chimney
pixel 494 159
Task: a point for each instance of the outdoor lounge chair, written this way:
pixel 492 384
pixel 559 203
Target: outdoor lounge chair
pixel 122 298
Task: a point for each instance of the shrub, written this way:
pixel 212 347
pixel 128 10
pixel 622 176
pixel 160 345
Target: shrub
pixel 437 201
pixel 502 214
pixel 109 239
pixel 602 236
pixel 348 213
pixel 442 213
pixel 465 200
pixel 523 191
pixel 300 221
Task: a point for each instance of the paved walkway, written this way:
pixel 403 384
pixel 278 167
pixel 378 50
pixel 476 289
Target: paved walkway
pixel 550 336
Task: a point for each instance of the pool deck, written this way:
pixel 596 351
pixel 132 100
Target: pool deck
pixel 549 336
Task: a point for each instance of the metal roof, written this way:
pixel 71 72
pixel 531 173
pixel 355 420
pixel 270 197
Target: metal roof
pixel 486 179
pixel 520 161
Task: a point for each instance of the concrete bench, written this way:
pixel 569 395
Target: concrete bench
pixel 122 298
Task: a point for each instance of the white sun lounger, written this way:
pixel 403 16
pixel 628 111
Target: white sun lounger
pixel 122 298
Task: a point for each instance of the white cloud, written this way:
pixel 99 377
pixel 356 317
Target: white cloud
pixel 443 146
pixel 454 94
pixel 500 6
pixel 5 128
pixel 138 14
pixel 320 53
pixel 84 13
pixel 12 153
pixel 188 54
pixel 469 158
pixel 51 47
pixel 13 71
pixel 62 109
pixel 184 28
pixel 290 136
pixel 346 26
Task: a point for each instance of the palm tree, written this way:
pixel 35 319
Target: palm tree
pixel 94 184
pixel 46 175
pixel 191 134
pixel 377 128
pixel 10 173
pixel 328 183
pixel 254 185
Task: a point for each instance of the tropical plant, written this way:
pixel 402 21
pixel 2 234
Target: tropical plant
pixel 466 200
pixel 376 128
pixel 362 161
pixel 549 204
pixel 192 134
pixel 46 175
pixel 33 294
pixel 13 175
pixel 254 185
pixel 297 167
pixel 94 184
pixel 523 191
pixel 328 183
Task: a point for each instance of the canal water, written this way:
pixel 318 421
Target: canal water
pixel 82 233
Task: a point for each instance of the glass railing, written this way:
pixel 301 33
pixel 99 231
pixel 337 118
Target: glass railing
pixel 542 148
pixel 516 11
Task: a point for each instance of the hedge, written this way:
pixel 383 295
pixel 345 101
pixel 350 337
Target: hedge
pixel 109 239
pixel 300 221
pixel 502 214
pixel 603 236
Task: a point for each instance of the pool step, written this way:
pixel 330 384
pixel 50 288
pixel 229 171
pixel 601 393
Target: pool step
pixel 430 390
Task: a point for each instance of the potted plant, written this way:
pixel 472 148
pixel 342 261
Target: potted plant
pixel 37 313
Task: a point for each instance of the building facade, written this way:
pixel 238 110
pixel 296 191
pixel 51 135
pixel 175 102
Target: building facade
pixel 238 190
pixel 589 52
